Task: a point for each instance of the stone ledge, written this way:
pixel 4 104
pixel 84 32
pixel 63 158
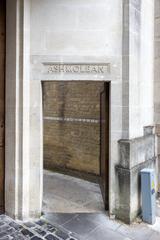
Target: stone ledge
pixel 119 167
pixel 137 151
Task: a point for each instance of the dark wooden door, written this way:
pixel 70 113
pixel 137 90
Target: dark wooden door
pixel 2 99
pixel 104 144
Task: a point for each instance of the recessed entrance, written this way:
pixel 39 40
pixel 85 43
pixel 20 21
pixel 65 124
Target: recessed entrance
pixel 2 101
pixel 76 139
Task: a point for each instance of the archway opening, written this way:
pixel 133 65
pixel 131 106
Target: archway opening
pixel 75 126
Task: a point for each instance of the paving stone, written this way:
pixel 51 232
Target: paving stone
pixel 59 218
pixel 52 230
pixel 5 238
pixel 155 236
pixel 26 232
pixel 29 224
pixel 40 231
pixel 12 230
pixel 4 228
pixel 41 222
pixel 15 225
pixel 4 218
pixel 80 226
pixel 51 237
pixel 36 238
pixel 137 231
pixel 99 219
pixel 48 227
pixel 3 234
pixel 2 224
pixel 101 233
pixel 62 235
pixel 73 236
pixel 17 236
pixel 6 233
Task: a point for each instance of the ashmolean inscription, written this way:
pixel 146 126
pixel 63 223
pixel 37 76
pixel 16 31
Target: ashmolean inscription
pixel 77 68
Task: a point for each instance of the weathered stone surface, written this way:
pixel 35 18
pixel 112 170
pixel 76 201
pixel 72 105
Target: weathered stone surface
pixel 138 150
pixel 135 154
pixel 91 31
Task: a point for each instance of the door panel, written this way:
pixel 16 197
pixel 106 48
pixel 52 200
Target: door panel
pixel 104 144
pixel 2 102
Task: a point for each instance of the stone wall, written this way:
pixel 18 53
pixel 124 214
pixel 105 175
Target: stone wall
pixel 46 32
pixel 135 155
pixel 78 32
pixel 157 84
pixel 71 112
pixel 157 63
pixel 84 32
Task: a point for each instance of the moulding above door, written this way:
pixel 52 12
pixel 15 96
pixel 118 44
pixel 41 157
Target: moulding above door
pixel 76 68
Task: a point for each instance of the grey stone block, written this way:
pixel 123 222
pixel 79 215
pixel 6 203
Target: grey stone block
pixel 130 191
pixel 136 151
pixel 135 154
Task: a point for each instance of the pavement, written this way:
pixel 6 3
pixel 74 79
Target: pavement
pixel 67 194
pixel 87 226
pixel 35 230
pixel 88 221
pixel 98 226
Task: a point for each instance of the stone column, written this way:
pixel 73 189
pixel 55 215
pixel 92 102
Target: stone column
pixel 135 154
pixel 157 83
pixel 17 110
pixel 137 148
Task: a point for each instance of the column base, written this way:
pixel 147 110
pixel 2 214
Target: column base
pixel 135 154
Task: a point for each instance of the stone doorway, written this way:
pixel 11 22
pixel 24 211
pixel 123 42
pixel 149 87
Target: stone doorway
pixel 2 100
pixel 71 121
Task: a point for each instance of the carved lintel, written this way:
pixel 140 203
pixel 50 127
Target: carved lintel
pixel 79 68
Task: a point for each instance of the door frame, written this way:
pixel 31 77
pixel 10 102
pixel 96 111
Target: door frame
pixel 107 133
pixel 2 126
pixel 107 89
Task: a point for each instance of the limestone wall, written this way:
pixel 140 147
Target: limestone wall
pixel 75 27
pixel 141 63
pixel 157 83
pixel 43 33
pixel 157 63
pixel 77 32
pixel 118 33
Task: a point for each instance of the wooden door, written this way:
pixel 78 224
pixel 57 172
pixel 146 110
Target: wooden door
pixel 2 101
pixel 104 144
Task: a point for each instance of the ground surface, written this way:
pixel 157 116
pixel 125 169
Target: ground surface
pixel 88 226
pixel 38 230
pixel 65 194
pixel 90 222
pixel 76 206
pixel 98 226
